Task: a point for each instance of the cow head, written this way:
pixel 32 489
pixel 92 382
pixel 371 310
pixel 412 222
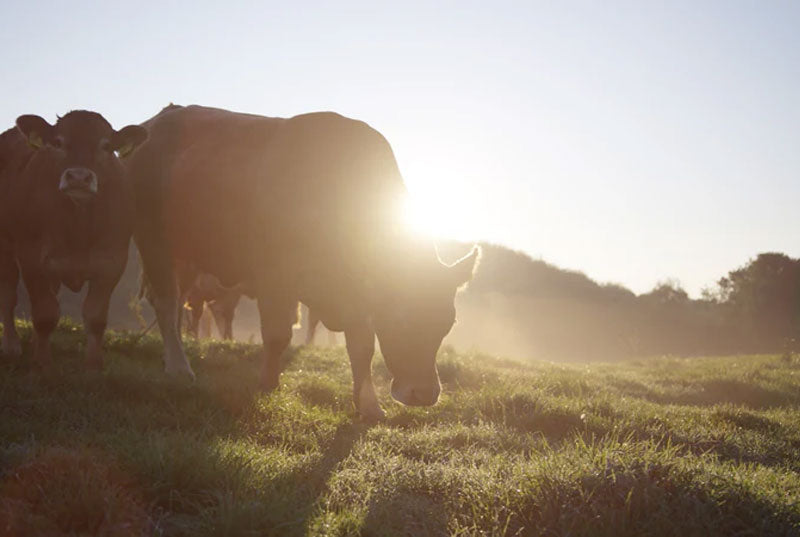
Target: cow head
pixel 82 150
pixel 412 322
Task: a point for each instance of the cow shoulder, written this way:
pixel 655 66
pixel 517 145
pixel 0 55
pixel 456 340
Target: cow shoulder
pixel 12 148
pixel 14 155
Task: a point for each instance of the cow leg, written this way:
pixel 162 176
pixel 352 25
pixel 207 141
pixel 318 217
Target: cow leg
pixel 227 325
pixel 9 278
pixel 95 317
pixel 45 313
pixel 223 318
pixel 229 304
pixel 332 341
pixel 205 330
pixel 360 340
pixel 195 313
pixel 157 265
pixel 278 314
pixel 175 362
pixel 311 329
pixel 190 304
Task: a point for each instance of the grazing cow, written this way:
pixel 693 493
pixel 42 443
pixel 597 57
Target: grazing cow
pixel 306 209
pixel 66 217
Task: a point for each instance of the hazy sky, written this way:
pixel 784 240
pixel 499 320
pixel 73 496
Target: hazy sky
pixel 634 141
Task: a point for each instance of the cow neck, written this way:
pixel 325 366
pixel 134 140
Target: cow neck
pixel 406 265
pixel 74 233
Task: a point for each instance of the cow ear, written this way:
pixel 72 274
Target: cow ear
pixel 462 270
pixel 127 139
pixel 36 130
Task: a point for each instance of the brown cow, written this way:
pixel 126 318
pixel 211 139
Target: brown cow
pixel 66 217
pixel 307 208
pixel 222 301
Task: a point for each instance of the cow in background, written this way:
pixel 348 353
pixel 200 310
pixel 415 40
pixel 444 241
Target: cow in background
pixel 196 291
pixel 307 209
pixel 66 217
pixel 207 290
pixel 311 321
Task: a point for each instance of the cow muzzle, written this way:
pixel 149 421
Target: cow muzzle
pixel 78 183
pixel 416 395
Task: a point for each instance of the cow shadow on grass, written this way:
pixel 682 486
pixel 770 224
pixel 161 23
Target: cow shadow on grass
pixel 280 501
pixel 209 457
pixel 201 487
pixel 710 392
pixel 132 392
pixel 182 484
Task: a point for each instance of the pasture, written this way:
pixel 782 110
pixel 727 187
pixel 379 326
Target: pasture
pixel 661 446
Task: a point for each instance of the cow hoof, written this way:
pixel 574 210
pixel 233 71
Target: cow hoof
pixel 269 386
pixel 374 415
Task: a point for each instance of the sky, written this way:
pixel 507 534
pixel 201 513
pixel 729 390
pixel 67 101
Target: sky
pixel 633 141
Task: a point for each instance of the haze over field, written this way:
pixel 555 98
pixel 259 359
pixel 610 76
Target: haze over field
pixel 633 143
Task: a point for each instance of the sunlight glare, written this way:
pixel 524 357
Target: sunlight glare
pixel 431 218
pixel 442 202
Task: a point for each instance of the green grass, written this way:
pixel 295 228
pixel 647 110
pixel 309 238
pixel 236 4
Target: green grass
pixel 666 446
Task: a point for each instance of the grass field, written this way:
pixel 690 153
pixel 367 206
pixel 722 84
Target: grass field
pixel 664 446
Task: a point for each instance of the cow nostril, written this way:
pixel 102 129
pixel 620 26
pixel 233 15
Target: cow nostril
pixel 78 181
pixel 79 176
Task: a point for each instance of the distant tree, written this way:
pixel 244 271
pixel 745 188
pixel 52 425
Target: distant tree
pixel 711 295
pixel 667 292
pixel 766 294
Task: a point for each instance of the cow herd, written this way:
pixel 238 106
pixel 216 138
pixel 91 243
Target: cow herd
pixel 305 209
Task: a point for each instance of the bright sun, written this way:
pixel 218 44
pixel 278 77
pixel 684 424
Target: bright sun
pixel 429 217
pixel 440 202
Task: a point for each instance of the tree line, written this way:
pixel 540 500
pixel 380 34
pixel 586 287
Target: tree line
pixel 518 305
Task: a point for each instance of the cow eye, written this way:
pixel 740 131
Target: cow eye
pixel 105 145
pixel 58 142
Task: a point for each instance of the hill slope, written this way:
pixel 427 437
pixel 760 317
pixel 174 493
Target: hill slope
pixel 658 447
